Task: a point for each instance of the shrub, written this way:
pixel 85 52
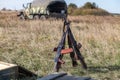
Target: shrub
pixel 71 8
pixel 89 5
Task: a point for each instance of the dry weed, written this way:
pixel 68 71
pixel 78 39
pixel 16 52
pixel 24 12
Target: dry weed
pixel 30 44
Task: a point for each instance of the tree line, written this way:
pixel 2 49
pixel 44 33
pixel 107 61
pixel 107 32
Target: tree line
pixel 87 9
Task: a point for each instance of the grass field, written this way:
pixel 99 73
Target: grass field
pixel 30 44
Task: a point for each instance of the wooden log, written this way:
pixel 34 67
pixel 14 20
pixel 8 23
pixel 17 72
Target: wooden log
pixel 8 71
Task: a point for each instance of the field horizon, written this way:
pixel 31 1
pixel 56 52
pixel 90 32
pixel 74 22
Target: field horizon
pixel 30 44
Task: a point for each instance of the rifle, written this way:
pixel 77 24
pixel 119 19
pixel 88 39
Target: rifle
pixel 73 48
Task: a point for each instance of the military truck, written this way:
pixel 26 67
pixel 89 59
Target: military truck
pixel 40 9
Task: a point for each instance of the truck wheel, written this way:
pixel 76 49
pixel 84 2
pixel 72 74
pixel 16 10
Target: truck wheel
pixel 42 17
pixel 36 17
pixel 22 17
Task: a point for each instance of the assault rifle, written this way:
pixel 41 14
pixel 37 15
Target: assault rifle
pixel 73 49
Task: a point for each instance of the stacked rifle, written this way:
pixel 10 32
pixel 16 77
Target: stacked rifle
pixel 73 49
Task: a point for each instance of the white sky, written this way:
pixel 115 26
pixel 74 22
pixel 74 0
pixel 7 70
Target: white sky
pixel 112 6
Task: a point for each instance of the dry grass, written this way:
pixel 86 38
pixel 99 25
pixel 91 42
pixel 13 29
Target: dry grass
pixel 30 44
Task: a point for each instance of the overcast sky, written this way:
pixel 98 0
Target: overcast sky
pixel 112 6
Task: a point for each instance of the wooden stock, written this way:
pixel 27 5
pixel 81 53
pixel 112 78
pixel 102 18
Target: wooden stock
pixel 66 51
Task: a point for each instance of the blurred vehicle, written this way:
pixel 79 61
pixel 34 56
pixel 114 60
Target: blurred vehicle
pixel 42 9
